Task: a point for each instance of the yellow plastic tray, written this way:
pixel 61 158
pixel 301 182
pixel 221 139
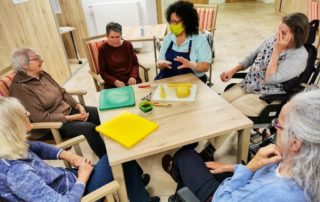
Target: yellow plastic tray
pixel 127 128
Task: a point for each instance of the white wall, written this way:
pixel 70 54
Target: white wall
pixel 148 7
pixel 216 1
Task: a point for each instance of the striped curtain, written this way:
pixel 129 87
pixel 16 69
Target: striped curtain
pixel 313 9
pixel 93 47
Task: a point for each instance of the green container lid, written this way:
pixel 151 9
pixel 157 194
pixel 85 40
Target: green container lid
pixel 116 98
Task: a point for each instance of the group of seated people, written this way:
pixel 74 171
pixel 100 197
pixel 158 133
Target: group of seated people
pixel 286 171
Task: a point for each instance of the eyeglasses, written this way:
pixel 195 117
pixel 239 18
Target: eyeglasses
pixel 174 21
pixel 275 123
pixel 37 57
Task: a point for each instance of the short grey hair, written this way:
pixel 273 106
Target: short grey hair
pixel 19 58
pixel 13 130
pixel 303 123
pixel 113 26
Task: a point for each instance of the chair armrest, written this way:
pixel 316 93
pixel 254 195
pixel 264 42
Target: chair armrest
pixel 47 125
pixel 98 81
pixel 96 77
pixel 239 75
pixel 101 192
pixel 144 68
pixel 71 142
pixel 269 98
pixel 53 126
pixel 186 195
pixel 77 92
pixel 146 74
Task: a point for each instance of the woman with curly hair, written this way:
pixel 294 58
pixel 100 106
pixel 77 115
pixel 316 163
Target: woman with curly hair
pixel 184 50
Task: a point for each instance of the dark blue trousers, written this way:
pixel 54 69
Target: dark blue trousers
pixel 190 171
pixel 88 129
pixel 102 175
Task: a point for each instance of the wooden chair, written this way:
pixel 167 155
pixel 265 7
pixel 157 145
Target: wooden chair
pixel 207 25
pixel 91 46
pixel 207 16
pixel 107 191
pixel 207 22
pixel 6 77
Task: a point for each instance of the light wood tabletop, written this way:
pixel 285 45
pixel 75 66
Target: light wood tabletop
pixel 182 124
pixel 144 33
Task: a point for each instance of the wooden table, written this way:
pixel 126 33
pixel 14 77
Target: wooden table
pixel 145 33
pixel 184 123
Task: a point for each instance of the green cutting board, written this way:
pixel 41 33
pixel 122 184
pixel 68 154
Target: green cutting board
pixel 116 98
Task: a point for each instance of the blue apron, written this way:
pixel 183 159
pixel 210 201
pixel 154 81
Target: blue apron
pixel 174 71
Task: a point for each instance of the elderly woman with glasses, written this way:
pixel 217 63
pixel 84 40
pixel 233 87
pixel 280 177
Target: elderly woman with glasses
pixel 47 101
pixel 287 171
pixel 184 50
pixel 24 176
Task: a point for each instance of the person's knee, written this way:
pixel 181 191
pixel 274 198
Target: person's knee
pixel 92 110
pixel 185 155
pixel 88 128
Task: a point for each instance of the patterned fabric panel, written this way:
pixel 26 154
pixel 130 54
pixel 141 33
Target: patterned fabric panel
pixel 93 47
pixel 313 10
pixel 205 18
pixel 5 84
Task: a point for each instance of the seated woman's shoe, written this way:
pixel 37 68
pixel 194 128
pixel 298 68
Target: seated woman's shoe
pixel 154 199
pixel 145 179
pixel 173 198
pixel 167 165
pixel 207 154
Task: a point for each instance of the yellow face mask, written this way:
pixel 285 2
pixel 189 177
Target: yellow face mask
pixel 177 29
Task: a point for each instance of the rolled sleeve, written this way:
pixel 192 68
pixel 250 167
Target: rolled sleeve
pixel 248 61
pixel 292 66
pixel 44 150
pixel 32 187
pixel 241 176
pixel 229 186
pixel 201 51
pixel 68 98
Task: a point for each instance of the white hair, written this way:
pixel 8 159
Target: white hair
pixel 13 129
pixel 19 58
pixel 303 123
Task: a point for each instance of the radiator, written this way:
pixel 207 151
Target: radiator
pixel 123 12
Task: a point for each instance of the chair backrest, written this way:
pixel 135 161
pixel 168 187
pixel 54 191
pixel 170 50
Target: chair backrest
pixel 207 16
pixel 91 46
pixel 6 77
pixel 308 76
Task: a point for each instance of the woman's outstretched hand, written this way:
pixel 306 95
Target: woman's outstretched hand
pixel 185 63
pixel 163 64
pixel 227 75
pixel 217 167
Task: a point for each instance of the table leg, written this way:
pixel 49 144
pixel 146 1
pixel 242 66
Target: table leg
pixel 75 47
pixel 118 175
pixel 243 145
